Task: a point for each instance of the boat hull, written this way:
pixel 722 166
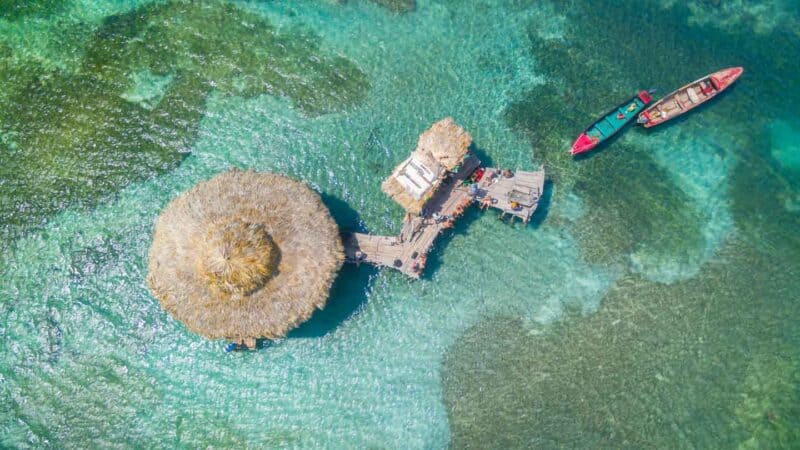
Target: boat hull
pixel 610 123
pixel 688 97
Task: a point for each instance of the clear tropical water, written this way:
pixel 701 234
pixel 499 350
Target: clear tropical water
pixel 652 303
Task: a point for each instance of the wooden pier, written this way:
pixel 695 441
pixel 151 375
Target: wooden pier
pixel 516 194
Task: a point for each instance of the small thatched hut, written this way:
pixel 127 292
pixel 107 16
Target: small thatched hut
pixel 244 255
pixel 440 150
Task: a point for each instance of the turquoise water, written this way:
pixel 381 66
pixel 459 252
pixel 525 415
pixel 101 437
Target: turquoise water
pixel 651 303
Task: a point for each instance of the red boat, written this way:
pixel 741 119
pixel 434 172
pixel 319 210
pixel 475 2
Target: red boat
pixel 689 97
pixel 610 123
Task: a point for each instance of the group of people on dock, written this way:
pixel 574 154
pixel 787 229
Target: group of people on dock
pixel 493 176
pixel 459 210
pixel 446 221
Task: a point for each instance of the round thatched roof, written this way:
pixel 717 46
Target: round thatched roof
pixel 244 255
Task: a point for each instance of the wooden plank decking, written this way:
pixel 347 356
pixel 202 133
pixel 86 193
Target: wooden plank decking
pixel 517 195
pixel 408 251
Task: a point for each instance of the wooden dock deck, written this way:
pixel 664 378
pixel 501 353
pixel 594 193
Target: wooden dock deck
pixel 516 195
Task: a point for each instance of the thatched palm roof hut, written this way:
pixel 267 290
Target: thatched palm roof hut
pixel 440 149
pixel 244 255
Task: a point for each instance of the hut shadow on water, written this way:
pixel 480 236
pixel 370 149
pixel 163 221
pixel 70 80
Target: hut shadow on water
pixel 345 217
pixel 348 295
pixel 461 228
pixel 351 287
pixel 486 160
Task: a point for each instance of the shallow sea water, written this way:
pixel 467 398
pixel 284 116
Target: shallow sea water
pixel 89 359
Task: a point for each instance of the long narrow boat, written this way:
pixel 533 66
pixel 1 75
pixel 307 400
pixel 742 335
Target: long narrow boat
pixel 689 97
pixel 610 123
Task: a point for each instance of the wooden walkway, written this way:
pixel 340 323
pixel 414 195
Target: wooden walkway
pixel 517 195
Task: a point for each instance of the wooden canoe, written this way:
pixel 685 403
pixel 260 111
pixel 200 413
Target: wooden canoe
pixel 689 97
pixel 610 123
